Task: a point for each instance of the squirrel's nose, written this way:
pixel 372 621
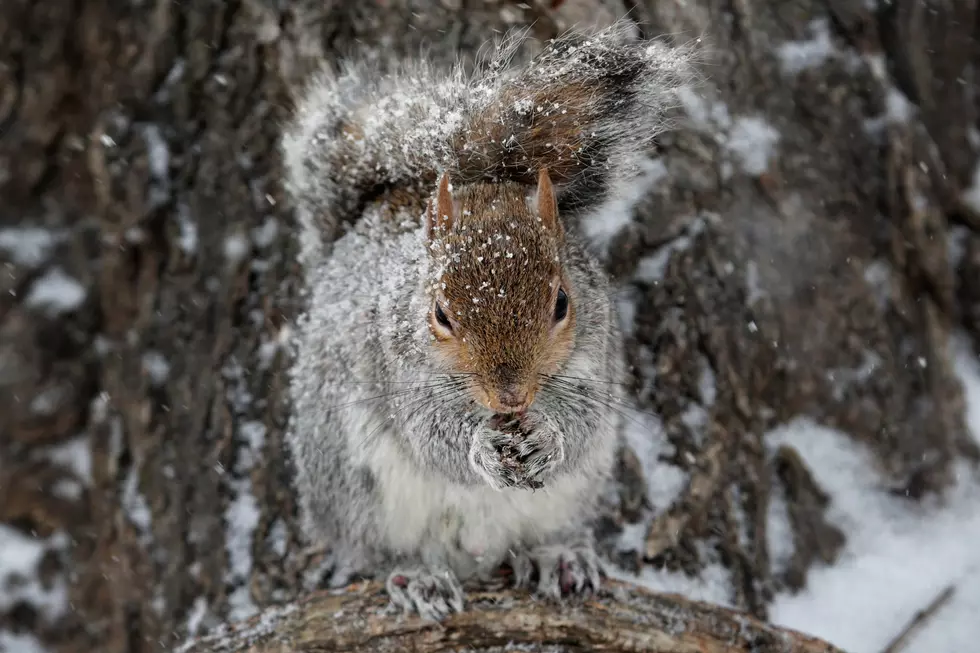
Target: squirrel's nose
pixel 513 399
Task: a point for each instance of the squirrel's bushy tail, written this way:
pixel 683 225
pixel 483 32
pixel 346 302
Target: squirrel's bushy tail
pixel 586 107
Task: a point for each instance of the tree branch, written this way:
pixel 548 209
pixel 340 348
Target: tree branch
pixel 621 618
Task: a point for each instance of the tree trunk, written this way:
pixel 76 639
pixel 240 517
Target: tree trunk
pixel 803 248
pixel 620 618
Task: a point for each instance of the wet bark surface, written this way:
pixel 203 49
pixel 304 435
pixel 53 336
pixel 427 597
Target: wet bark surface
pixel 148 283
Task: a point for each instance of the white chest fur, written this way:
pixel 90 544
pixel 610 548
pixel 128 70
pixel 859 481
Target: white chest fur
pixel 432 518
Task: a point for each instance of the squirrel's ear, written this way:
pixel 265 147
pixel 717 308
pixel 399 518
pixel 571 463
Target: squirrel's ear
pixel 443 214
pixel 545 203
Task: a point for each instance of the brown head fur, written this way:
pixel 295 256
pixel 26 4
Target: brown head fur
pixel 493 313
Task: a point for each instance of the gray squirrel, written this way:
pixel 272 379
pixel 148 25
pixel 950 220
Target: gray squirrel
pixel 459 371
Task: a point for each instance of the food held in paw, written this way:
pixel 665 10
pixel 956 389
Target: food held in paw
pixel 509 452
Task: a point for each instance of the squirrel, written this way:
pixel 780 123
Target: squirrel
pixel 459 370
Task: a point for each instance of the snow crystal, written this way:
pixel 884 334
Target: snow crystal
pixel 18 573
pixel 751 141
pixel 797 56
pixel 55 293
pixel 27 246
pixel 899 555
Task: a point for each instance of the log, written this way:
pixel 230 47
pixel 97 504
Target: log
pixel 621 617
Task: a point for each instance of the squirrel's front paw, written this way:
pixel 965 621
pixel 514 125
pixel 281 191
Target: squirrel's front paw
pixel 526 448
pixel 538 449
pixel 561 571
pixel 488 457
pixel 434 595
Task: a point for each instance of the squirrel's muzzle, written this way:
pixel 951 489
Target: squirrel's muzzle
pixel 512 399
pixel 508 394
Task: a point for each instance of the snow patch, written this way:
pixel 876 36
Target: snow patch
pixel 645 435
pixel 625 299
pixel 27 246
pixel 797 56
pixel 195 617
pixel 56 293
pixel 187 237
pixel 749 141
pixel 652 267
pixel 242 518
pixel 602 225
pixel 220 638
pixel 135 504
pixel 19 583
pixel 971 196
pixel 265 235
pixel 156 367
pixel 713 585
pixel 898 108
pixel 20 643
pixel 899 555
pixel 235 248
pixel 752 142
pixel 74 455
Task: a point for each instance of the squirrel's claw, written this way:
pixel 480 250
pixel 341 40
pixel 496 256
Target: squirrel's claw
pixel 434 595
pixel 562 571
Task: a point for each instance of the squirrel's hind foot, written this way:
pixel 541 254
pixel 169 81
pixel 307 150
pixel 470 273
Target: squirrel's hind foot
pixel 560 571
pixel 434 595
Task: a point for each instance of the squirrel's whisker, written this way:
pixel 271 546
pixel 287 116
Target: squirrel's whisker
pixel 578 378
pixel 569 390
pixel 388 395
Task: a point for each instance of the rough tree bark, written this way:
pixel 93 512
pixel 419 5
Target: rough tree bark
pixel 620 618
pixel 148 283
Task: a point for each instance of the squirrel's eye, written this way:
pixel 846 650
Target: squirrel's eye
pixel 441 318
pixel 561 305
